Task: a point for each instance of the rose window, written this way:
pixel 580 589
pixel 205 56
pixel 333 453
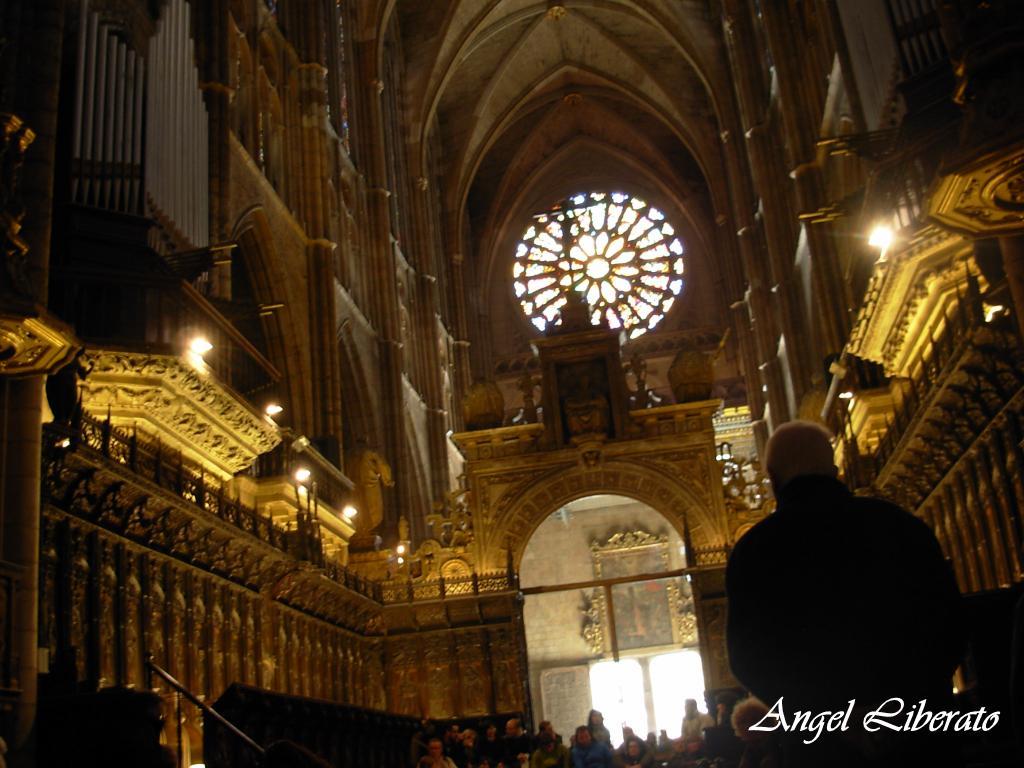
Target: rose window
pixel 615 250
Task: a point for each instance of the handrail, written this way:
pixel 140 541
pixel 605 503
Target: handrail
pixel 207 709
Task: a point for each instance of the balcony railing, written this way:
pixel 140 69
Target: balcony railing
pixel 416 590
pixel 154 462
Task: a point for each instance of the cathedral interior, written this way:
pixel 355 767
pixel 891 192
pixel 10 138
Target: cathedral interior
pixel 364 361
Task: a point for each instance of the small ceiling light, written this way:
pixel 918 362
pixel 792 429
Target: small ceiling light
pixel 273 409
pixel 302 474
pixel 847 395
pixel 349 512
pixel 400 549
pixel 880 237
pixel 200 345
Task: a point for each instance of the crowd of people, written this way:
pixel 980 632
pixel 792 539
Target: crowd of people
pixel 703 738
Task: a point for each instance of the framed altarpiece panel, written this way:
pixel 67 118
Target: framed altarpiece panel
pixel 651 613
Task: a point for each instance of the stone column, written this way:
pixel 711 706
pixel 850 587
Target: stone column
pixel 372 139
pixel 801 115
pixel 749 79
pixel 21 409
pixel 34 33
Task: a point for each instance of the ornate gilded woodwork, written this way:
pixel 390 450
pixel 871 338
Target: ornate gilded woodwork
pixel 165 396
pixel 904 295
pixel 985 198
pixel 32 341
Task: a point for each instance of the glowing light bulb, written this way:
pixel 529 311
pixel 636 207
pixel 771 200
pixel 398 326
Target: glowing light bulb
pixel 200 345
pixel 880 237
pixel 302 474
pixel 273 409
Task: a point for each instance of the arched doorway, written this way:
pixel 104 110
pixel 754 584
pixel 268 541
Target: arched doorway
pixel 609 618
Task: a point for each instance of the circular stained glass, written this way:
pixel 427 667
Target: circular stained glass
pixel 616 250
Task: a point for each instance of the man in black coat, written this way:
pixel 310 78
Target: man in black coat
pixel 835 597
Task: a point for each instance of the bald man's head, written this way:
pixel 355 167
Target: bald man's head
pixel 797 449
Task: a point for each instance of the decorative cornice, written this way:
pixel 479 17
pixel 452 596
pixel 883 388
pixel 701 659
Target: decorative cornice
pixel 33 344
pixel 166 396
pixel 896 293
pixel 985 199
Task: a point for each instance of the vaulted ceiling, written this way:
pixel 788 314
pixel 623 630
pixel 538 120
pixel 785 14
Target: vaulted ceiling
pixel 531 101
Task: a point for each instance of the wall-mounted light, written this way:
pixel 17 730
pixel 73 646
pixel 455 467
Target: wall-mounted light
pixel 847 395
pixel 273 409
pixel 400 560
pixel 992 311
pixel 302 474
pixel 881 238
pixel 200 345
pixel 400 549
pixel 349 512
pixel 197 347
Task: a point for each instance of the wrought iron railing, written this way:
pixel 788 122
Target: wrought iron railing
pixel 170 470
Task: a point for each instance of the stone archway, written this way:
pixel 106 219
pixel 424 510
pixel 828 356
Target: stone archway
pixel 670 485
pixel 679 484
pixel 515 484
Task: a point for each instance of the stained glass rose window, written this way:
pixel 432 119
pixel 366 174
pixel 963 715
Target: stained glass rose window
pixel 618 251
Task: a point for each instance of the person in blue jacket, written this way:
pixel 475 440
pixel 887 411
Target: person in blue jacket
pixel 588 753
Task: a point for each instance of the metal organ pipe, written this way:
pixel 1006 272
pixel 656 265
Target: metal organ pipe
pixel 177 156
pixel 76 140
pixel 107 122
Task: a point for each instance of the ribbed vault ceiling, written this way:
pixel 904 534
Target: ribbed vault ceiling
pixel 530 104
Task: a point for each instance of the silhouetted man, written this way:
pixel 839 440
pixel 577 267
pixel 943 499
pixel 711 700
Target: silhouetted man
pixel 835 597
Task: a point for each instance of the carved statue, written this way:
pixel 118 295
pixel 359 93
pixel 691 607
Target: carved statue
pixel 369 471
pixel 638 366
pixel 526 385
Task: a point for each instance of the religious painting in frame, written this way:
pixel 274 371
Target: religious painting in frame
pixel 648 614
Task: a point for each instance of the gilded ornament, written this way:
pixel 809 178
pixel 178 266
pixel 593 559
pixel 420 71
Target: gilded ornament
pixel 692 375
pixel 483 406
pixel 370 473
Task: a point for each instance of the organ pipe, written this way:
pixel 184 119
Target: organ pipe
pixel 106 131
pixel 177 126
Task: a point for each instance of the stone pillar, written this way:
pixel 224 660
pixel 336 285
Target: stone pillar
pixel 34 33
pixel 750 79
pixel 800 107
pixel 212 47
pixel 21 409
pixel 372 141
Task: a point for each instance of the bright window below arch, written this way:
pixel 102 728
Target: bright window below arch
pixel 616 250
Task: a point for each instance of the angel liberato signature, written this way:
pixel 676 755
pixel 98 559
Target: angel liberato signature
pixel 893 714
